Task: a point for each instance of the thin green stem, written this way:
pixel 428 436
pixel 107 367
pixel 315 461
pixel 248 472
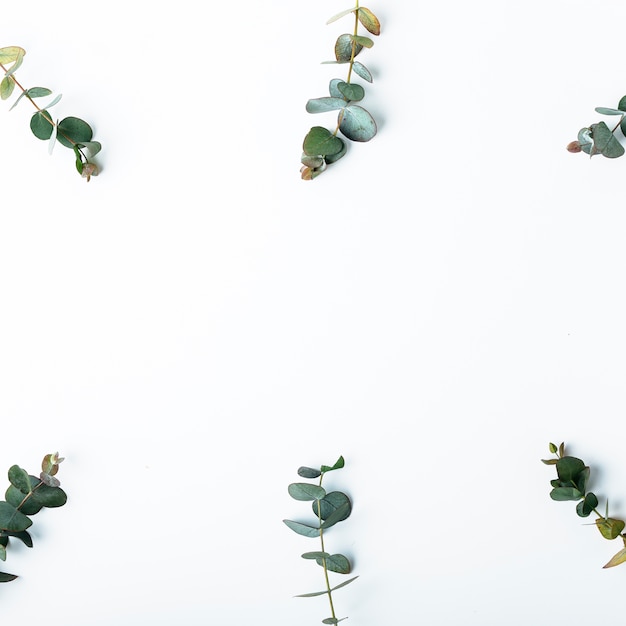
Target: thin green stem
pixel 330 594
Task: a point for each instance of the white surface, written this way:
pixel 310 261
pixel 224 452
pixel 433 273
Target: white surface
pixel 194 324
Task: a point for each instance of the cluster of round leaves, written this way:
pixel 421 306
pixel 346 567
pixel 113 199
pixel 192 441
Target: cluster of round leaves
pixel 329 508
pixel 571 485
pixel 71 132
pixel 321 146
pixel 599 138
pixel 25 497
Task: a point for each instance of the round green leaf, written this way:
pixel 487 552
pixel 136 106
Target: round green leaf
pixel 12 519
pixel 344 46
pixel 351 91
pixel 321 142
pixel 332 502
pixel 356 123
pixel 40 125
pixel 306 492
pixel 19 479
pixel 569 467
pixel 563 494
pixel 609 527
pixel 73 129
pixel 586 507
pixel 332 158
pixel 335 563
pixel 309 472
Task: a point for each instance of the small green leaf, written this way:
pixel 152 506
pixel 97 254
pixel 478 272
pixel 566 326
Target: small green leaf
pixel 11 519
pixel 356 123
pixel 332 158
pixel 321 593
pixel 23 536
pixel 605 142
pixel 38 92
pixel 369 21
pixel 6 87
pixel 622 104
pixel 335 563
pixel 549 461
pixel 563 494
pixel 309 472
pixel 362 71
pixel 10 54
pixel 339 463
pixel 351 91
pixel 337 516
pixel 73 129
pixel 553 448
pixel 366 42
pixel 315 555
pixel 609 527
pixel 330 503
pixel 321 105
pixel 586 507
pixel 608 111
pixel 3 553
pixel 5 578
pixel 344 48
pixel 569 467
pixel 334 18
pixel 321 142
pixel 302 529
pixel 19 479
pixel 40 125
pixel 306 492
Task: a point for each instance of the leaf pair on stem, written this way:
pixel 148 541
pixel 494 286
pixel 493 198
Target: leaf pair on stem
pixel 321 146
pixel 329 508
pixel 71 132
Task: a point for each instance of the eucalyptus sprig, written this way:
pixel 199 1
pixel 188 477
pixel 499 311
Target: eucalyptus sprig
pixel 71 132
pixel 26 496
pixel 599 138
pixel 321 146
pixel 571 484
pixel 329 508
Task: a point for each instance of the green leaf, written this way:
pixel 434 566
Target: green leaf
pixel 569 467
pixel 11 519
pixel 10 54
pixel 622 104
pixel 549 461
pixel 23 536
pixel 38 92
pixel 339 463
pixel 604 142
pixel 50 497
pixel 619 558
pixel 42 496
pixel 337 516
pixel 321 105
pixel 356 123
pixel 582 479
pixel 302 529
pixel 562 494
pixel 608 111
pixel 314 555
pixel 309 472
pixel 366 42
pixel 362 71
pixel 344 46
pixel 334 18
pixel 333 88
pixel 3 553
pixel 332 158
pixel 6 87
pixel 19 479
pixel 553 448
pixel 609 527
pixel 73 129
pixel 306 492
pixel 332 502
pixel 321 593
pixel 5 578
pixel 321 142
pixel 335 563
pixel 351 91
pixel 586 507
pixel 369 21
pixel 40 125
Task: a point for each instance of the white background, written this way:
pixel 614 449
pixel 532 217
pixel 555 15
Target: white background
pixel 197 322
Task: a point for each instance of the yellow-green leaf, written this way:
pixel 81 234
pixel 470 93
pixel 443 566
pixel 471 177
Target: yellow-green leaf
pixel 6 87
pixel 11 54
pixel 369 21
pixel 620 557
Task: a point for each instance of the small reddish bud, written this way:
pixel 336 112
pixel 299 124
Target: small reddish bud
pixel 574 146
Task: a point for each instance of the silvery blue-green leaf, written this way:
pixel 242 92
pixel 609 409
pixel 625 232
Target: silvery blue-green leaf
pixel 604 143
pixel 19 479
pixel 55 101
pixel 351 91
pixel 333 620
pixel 586 143
pixel 356 123
pixel 335 563
pixel 334 18
pixel 330 503
pixel 315 555
pixel 311 161
pixel 321 105
pixel 607 111
pixel 337 516
pixel 622 104
pixel 92 147
pixel 362 71
pixel 333 89
pixel 366 42
pixel 302 529
pixel 38 92
pixel 51 143
pixel 321 593
pixel 333 158
pixel 306 491
pixel 347 582
pixel 18 99
pixel 346 48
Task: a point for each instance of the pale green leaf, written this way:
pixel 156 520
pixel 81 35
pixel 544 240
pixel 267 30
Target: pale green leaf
pixel 362 71
pixel 306 491
pixel 322 105
pixel 334 18
pixel 356 123
pixel 302 529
